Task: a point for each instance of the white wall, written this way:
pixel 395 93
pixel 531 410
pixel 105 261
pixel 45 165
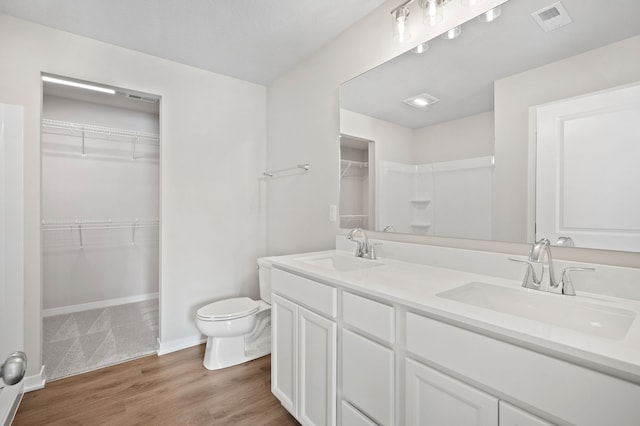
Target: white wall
pixel 104 184
pixel 467 137
pixel 599 69
pixel 392 141
pixel 213 151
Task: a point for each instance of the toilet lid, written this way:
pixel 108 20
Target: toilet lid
pixel 228 309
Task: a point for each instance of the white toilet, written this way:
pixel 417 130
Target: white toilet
pixel 238 329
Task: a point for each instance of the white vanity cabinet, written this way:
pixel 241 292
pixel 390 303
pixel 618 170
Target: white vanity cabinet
pixel 303 360
pixel 568 392
pixel 348 355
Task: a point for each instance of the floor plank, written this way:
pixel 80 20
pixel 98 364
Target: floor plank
pixel 173 389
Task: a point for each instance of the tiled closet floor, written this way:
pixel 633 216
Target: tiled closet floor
pixel 83 341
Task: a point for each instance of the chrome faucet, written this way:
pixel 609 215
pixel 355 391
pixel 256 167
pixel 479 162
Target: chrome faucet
pixel 539 251
pixel 363 248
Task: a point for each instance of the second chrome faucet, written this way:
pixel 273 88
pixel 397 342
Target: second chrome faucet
pixel 541 251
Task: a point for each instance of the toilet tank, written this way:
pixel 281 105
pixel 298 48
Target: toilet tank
pixel 264 277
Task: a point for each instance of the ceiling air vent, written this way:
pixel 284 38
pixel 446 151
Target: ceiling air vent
pixel 552 17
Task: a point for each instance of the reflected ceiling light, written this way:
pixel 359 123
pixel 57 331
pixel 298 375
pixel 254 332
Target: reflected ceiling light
pixel 421 48
pixel 452 33
pixel 490 15
pixel 422 100
pixel 77 84
pixel 399 22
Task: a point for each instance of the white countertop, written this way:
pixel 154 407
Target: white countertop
pixel 416 286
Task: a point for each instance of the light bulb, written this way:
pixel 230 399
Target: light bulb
pixel 421 48
pixel 490 15
pixel 399 24
pixel 433 13
pixel 452 33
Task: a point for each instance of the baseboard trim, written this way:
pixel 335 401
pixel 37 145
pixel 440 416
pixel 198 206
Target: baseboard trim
pixel 179 344
pixel 35 382
pixel 97 305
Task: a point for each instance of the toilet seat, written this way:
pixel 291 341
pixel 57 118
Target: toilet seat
pixel 225 310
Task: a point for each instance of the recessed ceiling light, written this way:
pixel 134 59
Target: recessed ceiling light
pixel 422 100
pixel 78 84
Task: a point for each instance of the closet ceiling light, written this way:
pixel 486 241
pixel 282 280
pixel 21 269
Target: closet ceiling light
pixel 77 84
pixel 422 100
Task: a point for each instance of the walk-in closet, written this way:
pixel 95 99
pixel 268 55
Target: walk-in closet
pixel 356 186
pixel 100 225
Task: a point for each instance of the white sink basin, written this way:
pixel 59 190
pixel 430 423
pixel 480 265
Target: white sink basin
pixel 563 311
pixel 339 262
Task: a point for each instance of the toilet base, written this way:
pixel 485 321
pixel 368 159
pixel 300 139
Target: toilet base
pixel 222 352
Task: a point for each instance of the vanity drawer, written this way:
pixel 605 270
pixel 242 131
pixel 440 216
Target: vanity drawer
pixel 319 297
pixel 374 318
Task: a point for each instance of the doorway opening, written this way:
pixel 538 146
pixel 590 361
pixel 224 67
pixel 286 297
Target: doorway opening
pixel 100 191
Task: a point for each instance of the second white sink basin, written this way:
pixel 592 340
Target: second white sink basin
pixel 563 311
pixel 339 262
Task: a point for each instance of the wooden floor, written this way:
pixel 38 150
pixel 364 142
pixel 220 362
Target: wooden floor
pixel 173 389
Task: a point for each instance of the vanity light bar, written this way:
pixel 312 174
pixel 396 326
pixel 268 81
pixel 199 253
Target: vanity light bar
pixel 77 84
pixel 422 100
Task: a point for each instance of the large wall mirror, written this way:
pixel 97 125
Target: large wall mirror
pixel 520 128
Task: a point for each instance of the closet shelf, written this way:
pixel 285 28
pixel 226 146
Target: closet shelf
pixel 358 164
pixel 151 138
pixel 92 225
pixel 346 165
pixel 83 131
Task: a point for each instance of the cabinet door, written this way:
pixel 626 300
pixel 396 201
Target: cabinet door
pixel 513 416
pixel 317 358
pixel 284 360
pixel 368 377
pixel 433 398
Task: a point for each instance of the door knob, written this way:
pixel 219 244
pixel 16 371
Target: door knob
pixel 13 369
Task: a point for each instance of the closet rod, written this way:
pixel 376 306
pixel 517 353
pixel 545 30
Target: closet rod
pixel 49 223
pixel 108 131
pixel 272 173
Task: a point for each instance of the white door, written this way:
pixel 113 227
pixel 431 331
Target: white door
pixel 587 174
pixel 284 357
pixel 11 247
pixel 317 360
pixel 433 398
